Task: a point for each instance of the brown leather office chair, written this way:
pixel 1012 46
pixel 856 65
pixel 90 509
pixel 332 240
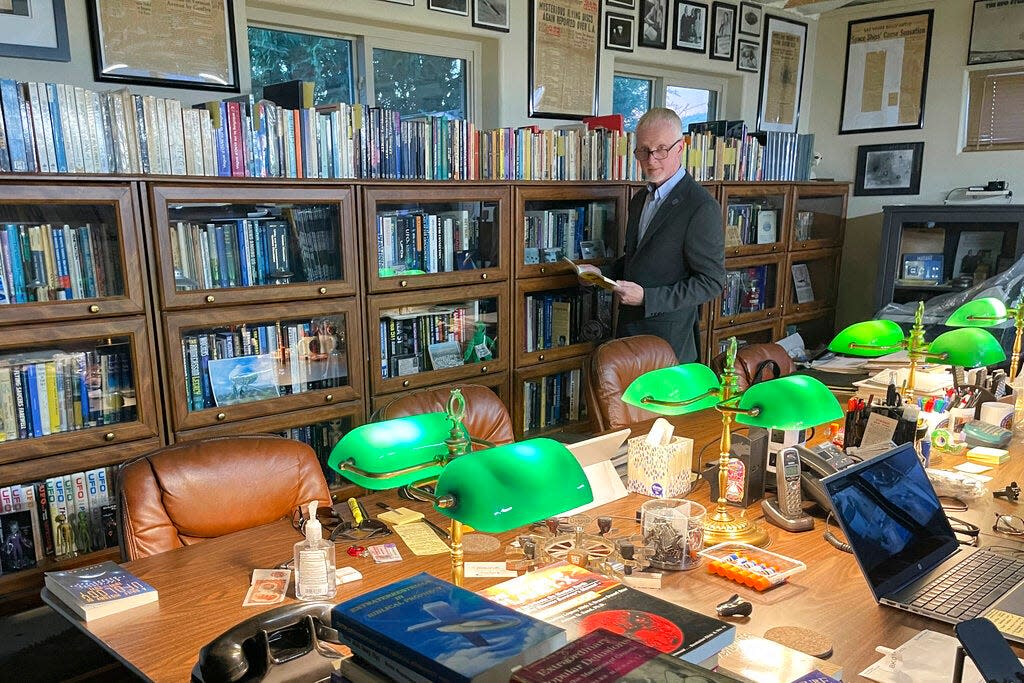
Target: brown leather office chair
pixel 756 363
pixel 190 492
pixel 486 416
pixel 613 367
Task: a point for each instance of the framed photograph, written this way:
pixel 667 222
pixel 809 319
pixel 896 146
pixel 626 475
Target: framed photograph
pixel 624 4
pixel 996 34
pixel 450 6
pixel 886 73
pixel 691 26
pixel 618 32
pixel 564 47
pixel 492 14
pixel 165 42
pixel 782 73
pixel 748 56
pixel 750 19
pixel 34 29
pixel 723 22
pixel 652 24
pixel 888 169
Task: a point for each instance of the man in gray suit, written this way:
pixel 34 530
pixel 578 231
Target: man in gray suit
pixel 674 256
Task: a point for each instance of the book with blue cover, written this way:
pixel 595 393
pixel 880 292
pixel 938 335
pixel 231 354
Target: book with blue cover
pixel 100 589
pixel 430 629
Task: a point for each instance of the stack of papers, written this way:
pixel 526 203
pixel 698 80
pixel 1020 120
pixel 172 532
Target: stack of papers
pixel 926 382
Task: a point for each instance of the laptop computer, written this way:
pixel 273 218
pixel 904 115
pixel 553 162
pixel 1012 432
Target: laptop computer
pixel 908 552
pixel 598 448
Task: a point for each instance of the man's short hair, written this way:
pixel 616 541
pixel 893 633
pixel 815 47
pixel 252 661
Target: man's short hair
pixel 660 115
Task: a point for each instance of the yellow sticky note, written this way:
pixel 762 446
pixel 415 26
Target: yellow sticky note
pixel 421 539
pixel 1011 624
pixel 400 516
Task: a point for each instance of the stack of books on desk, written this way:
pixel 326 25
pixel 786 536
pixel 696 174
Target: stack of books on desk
pixel 99 590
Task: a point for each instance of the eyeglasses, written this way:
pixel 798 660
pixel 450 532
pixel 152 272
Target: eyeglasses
pixel 1009 524
pixel 336 528
pixel 658 153
pixel 964 528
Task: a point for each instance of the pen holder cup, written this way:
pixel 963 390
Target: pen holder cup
pixel 662 471
pixel 674 528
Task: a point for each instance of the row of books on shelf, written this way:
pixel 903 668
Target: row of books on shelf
pixel 262 360
pixel 414 339
pixel 59 517
pixel 575 232
pixel 745 290
pixel 414 241
pixel 751 224
pixel 52 262
pixel 553 400
pixel 321 437
pixel 52 392
pixel 560 319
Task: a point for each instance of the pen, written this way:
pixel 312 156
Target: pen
pixel 441 531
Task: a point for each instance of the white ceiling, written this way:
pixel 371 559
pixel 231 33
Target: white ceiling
pixel 813 8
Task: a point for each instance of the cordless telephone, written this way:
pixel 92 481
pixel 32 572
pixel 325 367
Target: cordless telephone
pixel 786 511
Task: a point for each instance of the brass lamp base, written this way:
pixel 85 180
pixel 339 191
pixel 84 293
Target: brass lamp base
pixel 722 527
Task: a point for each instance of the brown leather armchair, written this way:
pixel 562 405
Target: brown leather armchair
pixel 613 367
pixel 756 363
pixel 190 492
pixel 486 416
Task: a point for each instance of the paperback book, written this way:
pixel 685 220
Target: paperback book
pixel 426 629
pixel 582 601
pixel 99 590
pixel 591 277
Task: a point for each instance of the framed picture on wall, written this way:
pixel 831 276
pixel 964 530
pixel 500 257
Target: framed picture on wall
pixel 624 4
pixel 450 6
pixel 492 14
pixel 652 24
pixel 618 32
pixel 748 56
pixel 750 19
pixel 996 34
pixel 34 29
pixel 563 58
pixel 782 72
pixel 888 169
pixel 691 26
pixel 723 26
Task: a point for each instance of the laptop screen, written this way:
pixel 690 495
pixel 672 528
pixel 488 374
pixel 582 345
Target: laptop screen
pixel 892 518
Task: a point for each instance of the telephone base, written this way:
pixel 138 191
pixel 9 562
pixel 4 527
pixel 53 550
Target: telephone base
pixel 772 513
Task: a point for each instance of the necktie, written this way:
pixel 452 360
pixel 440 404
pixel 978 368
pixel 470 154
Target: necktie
pixel 650 208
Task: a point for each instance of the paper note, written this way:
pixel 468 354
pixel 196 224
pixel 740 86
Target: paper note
pixel 1011 624
pixel 487 570
pixel 267 587
pixel 878 430
pixel 972 468
pixel 925 658
pixel 421 539
pixel 385 552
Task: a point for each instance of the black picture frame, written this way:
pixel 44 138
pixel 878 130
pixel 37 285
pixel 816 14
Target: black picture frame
pixel 723 31
pixel 491 14
pixel 573 58
pixel 889 169
pixel 124 72
pixel 460 7
pixel 990 41
pixel 751 19
pixel 618 32
pixel 652 24
pixel 624 4
pixel 748 55
pixel 39 35
pixel 766 99
pixel 692 20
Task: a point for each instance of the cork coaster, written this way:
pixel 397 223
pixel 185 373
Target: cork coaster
pixel 803 639
pixel 479 543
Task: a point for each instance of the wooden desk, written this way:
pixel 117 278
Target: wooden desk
pixel 202 587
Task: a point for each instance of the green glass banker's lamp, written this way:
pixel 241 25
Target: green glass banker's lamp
pixel 987 312
pixel 792 402
pixel 493 490
pixel 969 347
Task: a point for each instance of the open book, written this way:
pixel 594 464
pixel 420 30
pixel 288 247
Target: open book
pixel 590 277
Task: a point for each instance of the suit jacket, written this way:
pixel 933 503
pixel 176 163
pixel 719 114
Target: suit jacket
pixel 680 263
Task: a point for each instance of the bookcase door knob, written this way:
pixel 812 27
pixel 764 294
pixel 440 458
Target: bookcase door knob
pixel 405 383
pixel 221 416
pixel 109 436
pixel 210 298
pixel 483 276
pixel 403 283
pixel 323 290
pixel 540 357
pixel 329 397
pixel 483 369
pixel 94 308
pixel 543 270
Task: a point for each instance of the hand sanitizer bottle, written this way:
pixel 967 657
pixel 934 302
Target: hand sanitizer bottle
pixel 314 562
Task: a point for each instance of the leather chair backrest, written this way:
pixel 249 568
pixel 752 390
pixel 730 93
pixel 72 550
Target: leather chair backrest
pixel 486 416
pixel 613 367
pixel 757 363
pixel 193 491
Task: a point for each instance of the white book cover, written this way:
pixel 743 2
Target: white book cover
pixel 96 488
pixel 6 505
pixel 28 492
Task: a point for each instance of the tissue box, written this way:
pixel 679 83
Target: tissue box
pixel 659 471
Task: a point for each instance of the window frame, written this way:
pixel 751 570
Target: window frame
pixel 663 78
pixel 974 79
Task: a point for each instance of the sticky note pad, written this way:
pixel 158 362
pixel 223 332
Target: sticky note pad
pixel 400 516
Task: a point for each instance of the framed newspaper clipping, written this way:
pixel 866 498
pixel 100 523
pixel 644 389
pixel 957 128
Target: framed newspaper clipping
pixel 782 73
pixel 563 58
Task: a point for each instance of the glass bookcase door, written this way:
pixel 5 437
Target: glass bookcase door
pixel 216 242
pixel 752 290
pixel 550 398
pixel 420 339
pixel 581 222
pixel 819 217
pixel 816 328
pixel 438 236
pixel 760 332
pixel 238 364
pixel 556 318
pixel 812 279
pixel 89 384
pixel 68 255
pixel 754 218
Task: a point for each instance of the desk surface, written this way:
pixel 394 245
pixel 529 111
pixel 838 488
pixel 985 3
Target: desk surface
pixel 202 586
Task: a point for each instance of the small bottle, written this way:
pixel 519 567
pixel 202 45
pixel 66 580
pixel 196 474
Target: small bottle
pixel 314 562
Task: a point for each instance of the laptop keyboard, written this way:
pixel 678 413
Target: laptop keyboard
pixel 965 590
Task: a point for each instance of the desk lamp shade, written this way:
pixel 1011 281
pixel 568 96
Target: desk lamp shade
pixel 968 347
pixel 870 339
pixel 508 486
pixel 792 402
pixel 390 448
pixel 984 312
pixel 672 391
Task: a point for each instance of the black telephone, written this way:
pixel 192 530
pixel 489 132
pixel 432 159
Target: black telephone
pixel 281 644
pixel 817 462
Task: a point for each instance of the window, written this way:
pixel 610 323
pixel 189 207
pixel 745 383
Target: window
pixel 631 97
pixel 695 98
pixel 994 105
pixel 694 105
pixel 418 84
pixel 278 56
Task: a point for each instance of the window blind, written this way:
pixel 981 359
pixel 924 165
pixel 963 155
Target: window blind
pixel 995 110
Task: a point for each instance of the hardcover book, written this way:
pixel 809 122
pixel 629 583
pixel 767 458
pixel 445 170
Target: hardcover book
pixel 605 656
pixel 99 590
pixel 433 630
pixel 582 601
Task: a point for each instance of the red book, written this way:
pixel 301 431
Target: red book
pixel 610 121
pixel 235 143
